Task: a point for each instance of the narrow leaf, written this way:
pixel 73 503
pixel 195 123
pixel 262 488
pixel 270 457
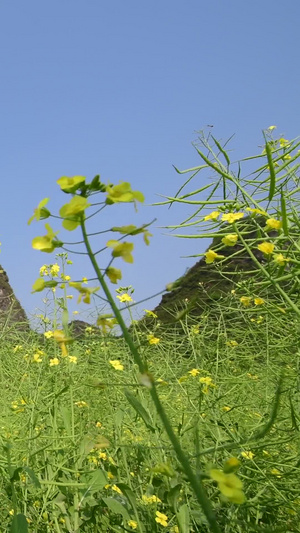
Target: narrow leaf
pixel 272 171
pixel 140 410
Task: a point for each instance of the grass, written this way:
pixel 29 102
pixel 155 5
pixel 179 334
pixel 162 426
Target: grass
pixel 84 450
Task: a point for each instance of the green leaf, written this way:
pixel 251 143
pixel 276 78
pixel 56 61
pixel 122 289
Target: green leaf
pixel 95 481
pixel 183 517
pixel 128 493
pixel 117 507
pixel 66 416
pixel 19 524
pixel 173 495
pixel 140 410
pixel 32 476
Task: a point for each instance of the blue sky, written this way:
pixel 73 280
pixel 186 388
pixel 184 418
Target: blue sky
pixel 120 89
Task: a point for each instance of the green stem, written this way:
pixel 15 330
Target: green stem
pixel 194 480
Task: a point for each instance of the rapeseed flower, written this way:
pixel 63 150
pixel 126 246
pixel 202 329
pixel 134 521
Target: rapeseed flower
pixel 70 185
pixel 73 359
pixel 106 321
pixel 81 404
pixel 266 247
pixel 132 523
pixel 150 499
pixel 272 223
pixel 229 485
pixel 256 211
pixel 71 212
pixel 161 519
pixel 122 193
pixel 44 270
pixel 116 364
pixel 54 361
pixel 230 239
pixel 121 249
pixel 194 372
pixel 212 216
pixel 211 256
pixel 116 489
pixel 46 243
pixel 246 301
pixel 247 455
pixel 48 334
pixel 84 292
pixel 280 259
pixel 114 274
pixel 54 269
pixel 124 298
pixel 232 217
pixel 150 313
pixel 259 301
pixel 40 212
pixel 152 339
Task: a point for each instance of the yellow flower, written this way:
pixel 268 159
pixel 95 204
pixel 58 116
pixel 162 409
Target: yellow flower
pixel 98 425
pixel 116 364
pixel 71 212
pixel 212 216
pixel 47 243
pixel 114 274
pixel 194 372
pixel 65 277
pixel 152 339
pixel 44 270
pixel 81 404
pixel 245 300
pixel 124 298
pixel 280 259
pixel 275 472
pixel 211 256
pixel 232 217
pixel 70 184
pixel 36 358
pixel 230 239
pixel 256 211
pixel 48 334
pixel 226 408
pixel 73 359
pixel 54 270
pixel 84 292
pixel 247 455
pixel 121 249
pixel 271 128
pixel 229 485
pixel 84 280
pixel 150 499
pixel 259 301
pixel 272 223
pixel 150 313
pixel 60 337
pixel 266 247
pixel 132 523
pixel 161 519
pixel 232 343
pixel 284 143
pixel 54 361
pixel 122 193
pixel 116 489
pixel 40 212
pixel 207 381
pixel 231 465
pixel 106 321
pixel 17 348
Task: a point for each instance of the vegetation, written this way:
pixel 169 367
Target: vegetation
pixel 190 429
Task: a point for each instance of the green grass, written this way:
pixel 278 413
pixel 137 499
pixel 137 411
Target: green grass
pixel 85 467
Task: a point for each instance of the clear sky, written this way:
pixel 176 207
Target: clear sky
pixel 119 89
